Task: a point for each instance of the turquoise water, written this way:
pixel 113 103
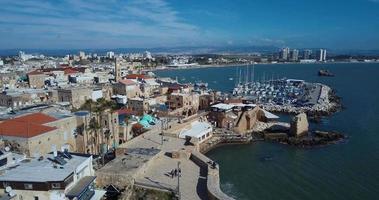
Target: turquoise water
pixel 344 171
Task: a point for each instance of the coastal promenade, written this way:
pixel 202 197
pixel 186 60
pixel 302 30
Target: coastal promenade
pixel 196 181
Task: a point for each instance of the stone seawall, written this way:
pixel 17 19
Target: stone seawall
pixel 213 177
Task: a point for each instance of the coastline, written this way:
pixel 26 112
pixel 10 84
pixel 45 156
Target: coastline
pixel 166 68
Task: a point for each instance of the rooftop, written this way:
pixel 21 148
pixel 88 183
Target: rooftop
pixel 127 82
pixel 135 76
pixel 27 126
pixel 129 163
pixel 223 106
pixel 196 130
pixel 42 171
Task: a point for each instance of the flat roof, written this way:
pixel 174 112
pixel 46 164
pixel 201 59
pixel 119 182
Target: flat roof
pixel 129 163
pixel 270 115
pixel 80 186
pixel 243 104
pixel 197 130
pixel 42 171
pixel 223 106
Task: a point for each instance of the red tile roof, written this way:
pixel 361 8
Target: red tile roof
pixel 134 76
pixel 126 111
pixel 35 72
pixel 37 118
pixel 27 126
pixel 127 82
pixel 70 71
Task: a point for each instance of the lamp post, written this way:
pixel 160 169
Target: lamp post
pixel 162 127
pixel 179 179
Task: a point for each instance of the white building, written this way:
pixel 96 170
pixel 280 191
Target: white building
pixel 23 56
pixel 110 54
pixel 322 55
pixel 82 55
pixel 198 132
pixel 285 53
pixel 59 176
pixel 295 55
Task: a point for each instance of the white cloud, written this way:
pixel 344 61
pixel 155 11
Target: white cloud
pixel 90 23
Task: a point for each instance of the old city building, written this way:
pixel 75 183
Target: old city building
pixel 38 133
pixel 97 132
pixel 184 104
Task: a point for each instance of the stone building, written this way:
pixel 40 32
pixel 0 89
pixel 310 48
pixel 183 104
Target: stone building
pixel 139 105
pixel 239 117
pixel 26 97
pixel 36 79
pixel 37 134
pixel 77 96
pixel 8 79
pixel 185 104
pixel 222 116
pixel 299 125
pixel 97 133
pixel 247 119
pixel 127 88
pixel 205 100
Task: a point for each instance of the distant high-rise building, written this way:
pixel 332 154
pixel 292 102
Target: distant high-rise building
pixel 295 55
pixel 82 55
pixel 307 54
pixel 284 53
pixel 110 54
pixel 23 56
pixel 322 55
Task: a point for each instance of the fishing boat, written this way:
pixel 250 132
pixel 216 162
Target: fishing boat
pixel 325 72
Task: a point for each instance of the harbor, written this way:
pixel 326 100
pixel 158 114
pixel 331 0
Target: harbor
pixel 271 165
pixel 286 95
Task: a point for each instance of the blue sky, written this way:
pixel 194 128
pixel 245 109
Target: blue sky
pixel 65 24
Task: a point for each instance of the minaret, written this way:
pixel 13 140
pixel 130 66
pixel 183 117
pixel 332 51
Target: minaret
pixel 117 71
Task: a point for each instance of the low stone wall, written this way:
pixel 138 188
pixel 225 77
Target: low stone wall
pixel 213 177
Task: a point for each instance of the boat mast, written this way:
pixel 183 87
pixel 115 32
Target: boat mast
pixel 252 76
pixel 247 74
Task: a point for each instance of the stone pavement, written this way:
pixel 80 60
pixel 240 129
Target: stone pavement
pixel 192 183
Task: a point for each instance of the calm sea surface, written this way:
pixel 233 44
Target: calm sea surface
pixel 343 171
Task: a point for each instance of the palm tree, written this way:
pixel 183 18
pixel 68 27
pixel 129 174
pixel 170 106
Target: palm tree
pixel 94 127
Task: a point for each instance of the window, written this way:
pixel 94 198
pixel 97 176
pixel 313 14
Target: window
pixel 28 186
pixel 56 185
pixel 35 197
